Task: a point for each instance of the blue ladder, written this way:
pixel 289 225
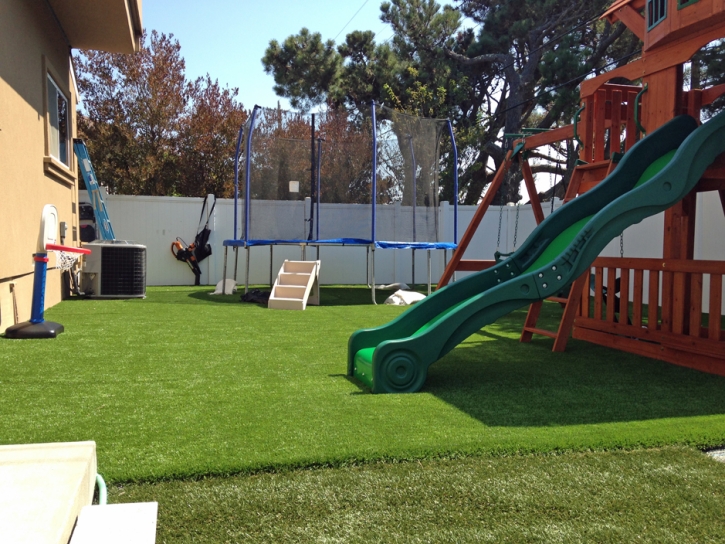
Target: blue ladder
pixel 89 177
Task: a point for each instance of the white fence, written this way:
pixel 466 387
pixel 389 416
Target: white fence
pixel 157 221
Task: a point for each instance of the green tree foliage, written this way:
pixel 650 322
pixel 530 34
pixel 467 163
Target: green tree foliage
pixel 305 68
pixel 707 70
pixel 207 140
pixel 519 66
pixel 149 130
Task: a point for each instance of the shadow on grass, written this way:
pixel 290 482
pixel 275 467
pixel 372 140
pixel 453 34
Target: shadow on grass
pixel 361 389
pixel 502 382
pixel 330 296
pixel 206 296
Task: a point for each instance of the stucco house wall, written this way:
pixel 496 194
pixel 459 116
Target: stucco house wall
pixel 35 43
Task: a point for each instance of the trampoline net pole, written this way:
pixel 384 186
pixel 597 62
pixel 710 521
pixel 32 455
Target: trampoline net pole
pixel 373 274
pixel 429 282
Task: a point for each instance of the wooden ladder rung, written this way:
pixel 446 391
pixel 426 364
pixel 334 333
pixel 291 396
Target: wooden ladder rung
pixel 571 307
pixel 542 332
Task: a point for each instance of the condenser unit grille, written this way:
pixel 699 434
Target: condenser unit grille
pixel 123 271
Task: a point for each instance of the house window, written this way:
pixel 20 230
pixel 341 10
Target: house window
pixel 656 12
pixel 59 121
pixel 684 3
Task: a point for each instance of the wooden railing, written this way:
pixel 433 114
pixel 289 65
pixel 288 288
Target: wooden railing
pixel 608 124
pixel 663 317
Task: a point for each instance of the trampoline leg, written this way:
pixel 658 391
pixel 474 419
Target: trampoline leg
pixel 373 275
pixel 412 283
pixel 429 271
pixel 318 277
pixel 271 265
pixel 367 266
pixel 304 252
pixel 236 262
pixel 224 274
pixel 246 274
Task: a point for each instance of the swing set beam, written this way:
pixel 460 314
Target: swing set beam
pixel 457 262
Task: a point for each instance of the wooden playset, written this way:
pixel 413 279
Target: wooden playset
pixel 611 120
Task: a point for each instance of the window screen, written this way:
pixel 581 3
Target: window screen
pixel 656 12
pixel 58 119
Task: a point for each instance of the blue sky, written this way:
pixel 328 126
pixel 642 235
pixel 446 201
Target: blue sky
pixel 227 38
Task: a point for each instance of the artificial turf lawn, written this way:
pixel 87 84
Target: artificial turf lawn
pixel 672 495
pixel 183 384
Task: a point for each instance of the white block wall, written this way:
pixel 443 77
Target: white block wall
pixel 157 221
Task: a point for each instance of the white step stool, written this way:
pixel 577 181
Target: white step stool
pixel 297 285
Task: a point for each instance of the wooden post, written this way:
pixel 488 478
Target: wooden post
pixel 475 222
pixel 531 188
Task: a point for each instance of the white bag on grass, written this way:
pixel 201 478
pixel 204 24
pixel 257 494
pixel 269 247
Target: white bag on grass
pixel 228 287
pixel 404 298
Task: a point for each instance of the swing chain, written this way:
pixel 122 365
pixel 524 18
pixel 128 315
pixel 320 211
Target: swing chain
pixel 500 216
pixel 551 176
pixel 621 245
pixel 516 225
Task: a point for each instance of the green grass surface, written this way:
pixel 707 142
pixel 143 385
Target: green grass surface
pixel 184 385
pixel 674 495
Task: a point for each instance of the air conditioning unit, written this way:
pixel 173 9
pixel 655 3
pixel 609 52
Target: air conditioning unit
pixel 114 269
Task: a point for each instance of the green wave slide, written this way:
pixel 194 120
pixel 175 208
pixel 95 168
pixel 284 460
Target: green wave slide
pixel 656 173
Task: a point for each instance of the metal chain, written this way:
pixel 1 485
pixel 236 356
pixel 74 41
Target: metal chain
pixel 551 180
pixel 516 225
pixel 551 176
pixel 500 216
pixel 621 245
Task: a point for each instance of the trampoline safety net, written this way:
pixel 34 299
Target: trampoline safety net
pixel 311 177
pixel 279 175
pixel 408 167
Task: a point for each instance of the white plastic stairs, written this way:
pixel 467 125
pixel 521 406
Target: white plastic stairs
pixel 297 285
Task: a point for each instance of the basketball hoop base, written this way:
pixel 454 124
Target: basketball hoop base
pixel 37 327
pixel 27 330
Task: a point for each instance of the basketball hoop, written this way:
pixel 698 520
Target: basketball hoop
pixel 38 327
pixel 65 256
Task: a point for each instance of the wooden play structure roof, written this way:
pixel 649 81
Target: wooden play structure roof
pixel 658 22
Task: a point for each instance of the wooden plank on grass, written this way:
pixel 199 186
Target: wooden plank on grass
pixel 655 351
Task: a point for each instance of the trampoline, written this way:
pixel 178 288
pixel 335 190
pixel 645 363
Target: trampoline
pixel 337 179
